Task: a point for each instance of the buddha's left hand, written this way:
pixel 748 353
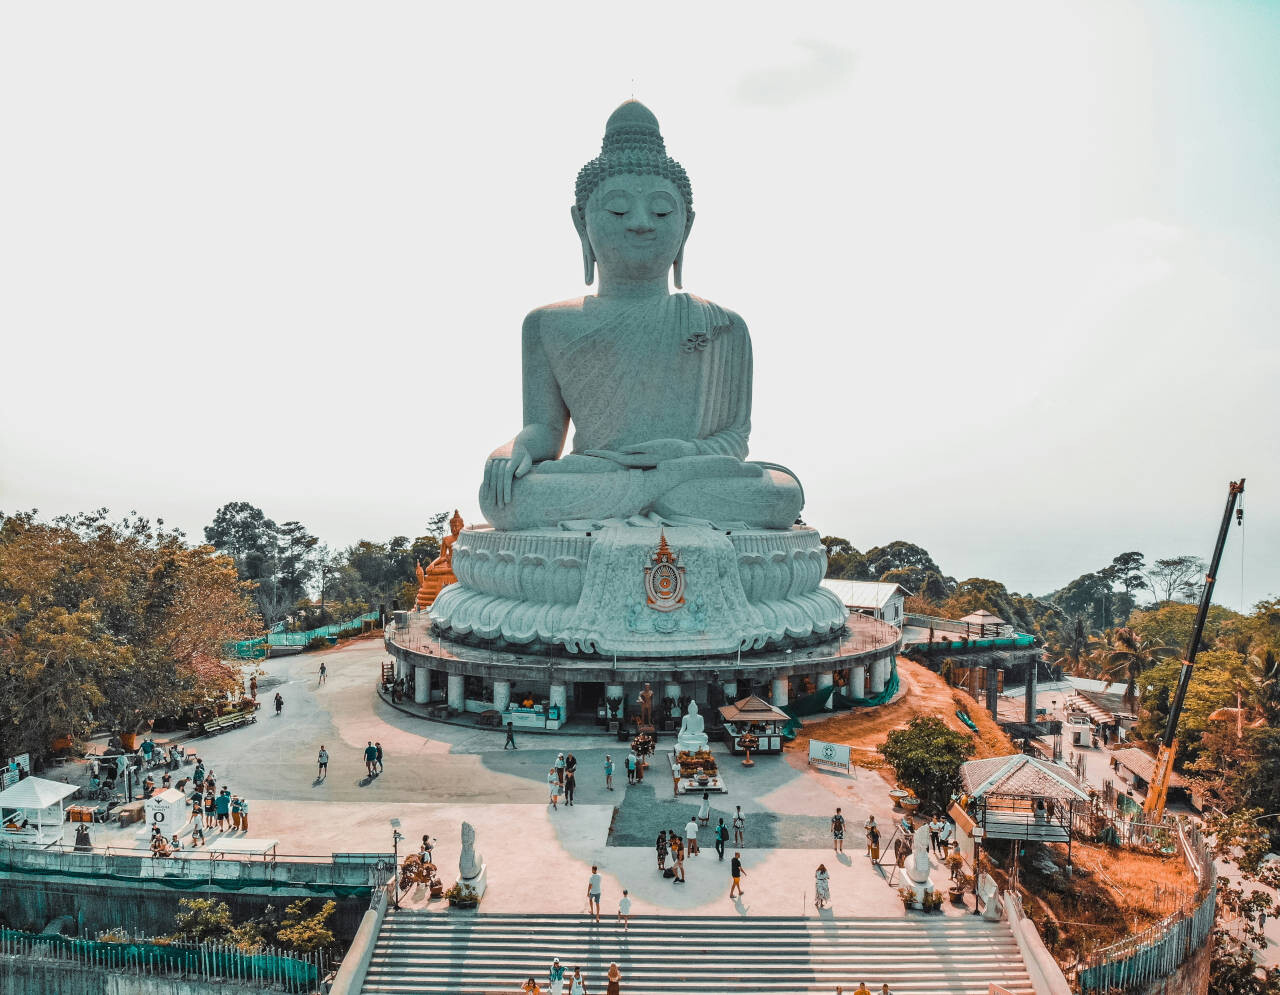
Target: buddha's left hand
pixel 645 455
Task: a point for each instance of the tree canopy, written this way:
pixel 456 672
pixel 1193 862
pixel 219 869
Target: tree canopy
pixel 926 756
pixel 102 623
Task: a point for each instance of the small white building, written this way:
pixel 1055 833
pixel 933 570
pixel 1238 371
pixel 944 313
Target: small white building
pixel 878 599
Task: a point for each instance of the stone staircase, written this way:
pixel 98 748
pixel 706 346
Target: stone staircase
pixel 470 954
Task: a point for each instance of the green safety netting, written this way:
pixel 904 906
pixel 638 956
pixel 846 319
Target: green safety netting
pixel 1020 640
pixel 256 649
pixel 813 704
pixel 298 974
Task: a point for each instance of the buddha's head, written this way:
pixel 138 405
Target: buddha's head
pixel 634 205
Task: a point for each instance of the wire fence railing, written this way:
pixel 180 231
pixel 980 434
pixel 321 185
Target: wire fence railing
pixel 1156 952
pixel 252 649
pixel 263 968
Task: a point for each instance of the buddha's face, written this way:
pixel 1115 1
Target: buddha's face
pixel 636 225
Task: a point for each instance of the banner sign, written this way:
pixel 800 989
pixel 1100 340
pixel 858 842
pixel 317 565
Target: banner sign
pixel 834 755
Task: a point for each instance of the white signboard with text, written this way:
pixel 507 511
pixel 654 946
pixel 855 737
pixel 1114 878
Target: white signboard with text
pixel 835 755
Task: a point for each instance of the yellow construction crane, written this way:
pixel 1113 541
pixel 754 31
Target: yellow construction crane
pixel 1159 789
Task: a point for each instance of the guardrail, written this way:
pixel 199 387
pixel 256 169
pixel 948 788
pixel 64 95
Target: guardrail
pixel 1158 951
pixel 341 873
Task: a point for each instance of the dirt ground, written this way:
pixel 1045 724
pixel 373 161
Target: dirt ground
pixel 925 694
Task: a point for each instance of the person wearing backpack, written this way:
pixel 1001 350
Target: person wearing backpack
pixel 722 834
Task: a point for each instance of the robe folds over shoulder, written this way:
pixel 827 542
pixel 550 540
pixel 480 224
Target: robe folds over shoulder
pixel 674 368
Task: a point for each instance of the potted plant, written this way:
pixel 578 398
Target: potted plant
pixel 910 802
pixel 908 896
pixel 959 885
pixel 931 901
pixel 462 896
pixel 748 741
pixel 897 794
pixel 643 745
pixel 954 863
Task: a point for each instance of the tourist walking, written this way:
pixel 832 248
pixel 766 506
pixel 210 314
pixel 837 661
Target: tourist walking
pixel 244 815
pixel 577 985
pixel 935 834
pixel 279 704
pixel 530 987
pixel 722 834
pixel 222 805
pixel 615 981
pixel 253 688
pixel 235 813
pixel 867 828
pixel 370 758
pixel 677 855
pixel 631 767
pixel 608 772
pixel 691 837
pixel 944 837
pixel 210 810
pixel 511 737
pixel 322 763
pixel 593 893
pixel 624 910
pixel 739 826
pixel 377 757
pixel 662 851
pixel 837 832
pixel 323 671
pixel 873 841
pixel 862 989
pixel 736 872
pixel 555 977
pixel 560 768
pixel 553 785
pixel 704 810
pixel 571 765
pixel 675 781
pixel 821 888
pixel 570 785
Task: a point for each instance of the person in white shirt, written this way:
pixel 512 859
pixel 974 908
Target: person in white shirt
pixel 593 893
pixel 691 837
pixel 624 910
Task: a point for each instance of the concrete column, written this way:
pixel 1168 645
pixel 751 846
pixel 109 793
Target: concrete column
pixel 780 691
pixel 456 700
pixel 501 695
pixel 1033 673
pixel 825 680
pixel 421 681
pixel 559 699
pixel 858 681
pixel 993 696
pixel 878 676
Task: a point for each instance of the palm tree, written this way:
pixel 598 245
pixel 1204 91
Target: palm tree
pixel 1130 654
pixel 1075 640
pixel 1255 690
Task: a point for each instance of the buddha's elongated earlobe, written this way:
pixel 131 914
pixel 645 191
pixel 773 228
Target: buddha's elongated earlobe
pixel 678 265
pixel 588 254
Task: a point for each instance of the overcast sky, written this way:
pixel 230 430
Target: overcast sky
pixel 1011 269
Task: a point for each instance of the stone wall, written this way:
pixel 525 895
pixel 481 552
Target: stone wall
pixel 31 976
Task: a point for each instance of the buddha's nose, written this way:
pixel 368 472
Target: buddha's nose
pixel 641 228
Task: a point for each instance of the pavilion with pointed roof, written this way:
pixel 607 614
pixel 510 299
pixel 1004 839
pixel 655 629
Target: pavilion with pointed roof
pixel 754 715
pixel 1020 797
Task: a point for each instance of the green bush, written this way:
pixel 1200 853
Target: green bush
pixel 318 643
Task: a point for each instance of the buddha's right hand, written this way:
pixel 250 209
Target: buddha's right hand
pixel 504 466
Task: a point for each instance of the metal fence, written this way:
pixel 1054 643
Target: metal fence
pixel 251 649
pixel 266 967
pixel 1158 951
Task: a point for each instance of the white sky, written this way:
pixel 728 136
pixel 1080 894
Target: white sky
pixel 1011 270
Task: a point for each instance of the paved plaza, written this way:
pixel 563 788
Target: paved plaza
pixel 437 775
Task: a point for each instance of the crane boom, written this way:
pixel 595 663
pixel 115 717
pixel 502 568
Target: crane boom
pixel 1159 789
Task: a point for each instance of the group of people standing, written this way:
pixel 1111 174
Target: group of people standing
pixel 557 979
pixel 562 778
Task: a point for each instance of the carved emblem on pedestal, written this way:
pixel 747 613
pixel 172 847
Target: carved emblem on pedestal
pixel 664 580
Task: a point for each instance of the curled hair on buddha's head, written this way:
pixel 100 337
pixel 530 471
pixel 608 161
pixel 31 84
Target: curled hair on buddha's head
pixel 632 144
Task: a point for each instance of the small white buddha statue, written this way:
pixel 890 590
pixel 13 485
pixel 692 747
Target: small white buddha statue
pixel 691 738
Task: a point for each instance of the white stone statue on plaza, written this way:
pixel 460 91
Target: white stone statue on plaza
pixel 918 864
pixel 691 738
pixel 471 867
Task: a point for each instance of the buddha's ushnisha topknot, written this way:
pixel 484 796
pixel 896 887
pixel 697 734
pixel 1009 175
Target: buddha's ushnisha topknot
pixel 632 144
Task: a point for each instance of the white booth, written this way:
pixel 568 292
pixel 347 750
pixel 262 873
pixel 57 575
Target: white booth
pixel 32 812
pixel 167 809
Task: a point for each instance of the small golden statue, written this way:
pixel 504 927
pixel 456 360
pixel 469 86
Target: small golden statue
pixel 439 573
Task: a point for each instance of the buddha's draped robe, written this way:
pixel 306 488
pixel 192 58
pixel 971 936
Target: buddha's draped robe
pixel 674 368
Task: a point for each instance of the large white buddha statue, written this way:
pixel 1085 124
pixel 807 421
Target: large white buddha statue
pixel 658 386
pixel 654 536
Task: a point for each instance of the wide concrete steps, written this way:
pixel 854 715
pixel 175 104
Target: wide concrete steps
pixel 469 954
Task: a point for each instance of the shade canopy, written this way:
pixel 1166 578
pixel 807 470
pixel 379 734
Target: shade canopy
pixel 35 793
pixel 1021 776
pixel 753 708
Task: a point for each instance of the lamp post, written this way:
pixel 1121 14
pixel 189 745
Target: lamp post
pixel 396 837
pixel 978 834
